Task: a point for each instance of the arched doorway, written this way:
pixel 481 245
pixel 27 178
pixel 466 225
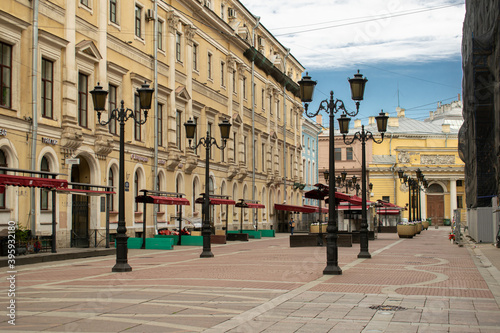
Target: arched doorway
pixel 80 173
pixel 435 203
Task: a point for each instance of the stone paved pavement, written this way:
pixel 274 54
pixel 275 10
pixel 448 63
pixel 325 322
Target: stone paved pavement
pixel 424 284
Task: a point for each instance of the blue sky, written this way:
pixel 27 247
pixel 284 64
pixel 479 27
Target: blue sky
pixel 405 48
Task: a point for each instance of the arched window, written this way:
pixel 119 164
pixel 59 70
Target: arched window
pixel 3 163
pixel 44 193
pixel 111 182
pixel 136 191
pixel 435 188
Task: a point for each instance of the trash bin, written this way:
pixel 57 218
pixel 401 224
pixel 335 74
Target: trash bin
pixel 429 220
pixel 447 222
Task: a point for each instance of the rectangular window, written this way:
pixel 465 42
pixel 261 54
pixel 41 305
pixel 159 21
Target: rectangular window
pixel 82 99
pixel 195 57
pixel 178 129
pixel 348 151
pixel 6 75
pixel 138 25
pixel 111 107
pixel 160 125
pixel 160 35
pixel 47 88
pixel 112 11
pixel 222 74
pixel 137 111
pixel 278 108
pixel 338 154
pixel 271 105
pixel 178 53
pixel 460 183
pixel 386 198
pixel 209 66
pixel 460 203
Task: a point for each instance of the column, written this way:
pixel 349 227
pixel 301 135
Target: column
pixel 453 196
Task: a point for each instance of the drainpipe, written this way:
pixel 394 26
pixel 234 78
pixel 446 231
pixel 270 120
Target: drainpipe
pixel 253 122
pixel 34 100
pixel 155 164
pixel 284 125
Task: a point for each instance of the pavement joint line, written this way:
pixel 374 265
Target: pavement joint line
pixel 252 313
pixel 490 273
pixel 129 320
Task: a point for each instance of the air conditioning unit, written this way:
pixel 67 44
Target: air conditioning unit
pixel 231 13
pixel 150 15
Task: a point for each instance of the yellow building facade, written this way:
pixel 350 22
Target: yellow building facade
pixel 207 60
pixel 432 147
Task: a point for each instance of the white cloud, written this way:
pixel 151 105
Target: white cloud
pixel 348 32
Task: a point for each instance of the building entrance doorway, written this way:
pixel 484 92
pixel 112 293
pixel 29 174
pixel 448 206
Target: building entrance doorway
pixel 435 204
pixel 80 206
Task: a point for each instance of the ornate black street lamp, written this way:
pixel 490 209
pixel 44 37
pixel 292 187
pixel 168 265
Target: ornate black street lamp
pixel 363 136
pixel 415 185
pixel 207 142
pixel 122 115
pixel 331 107
pixel 349 184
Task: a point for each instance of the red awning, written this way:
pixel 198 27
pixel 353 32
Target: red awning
pixel 12 180
pixel 291 208
pixel 159 200
pixel 249 205
pixel 324 210
pixel 351 207
pixel 83 192
pixel 217 201
pixel 384 211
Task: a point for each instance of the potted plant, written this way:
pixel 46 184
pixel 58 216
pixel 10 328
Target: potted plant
pixel 406 229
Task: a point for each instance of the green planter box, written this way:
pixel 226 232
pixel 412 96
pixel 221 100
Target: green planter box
pixel 159 243
pixel 267 233
pixel 133 243
pixel 251 233
pixel 185 240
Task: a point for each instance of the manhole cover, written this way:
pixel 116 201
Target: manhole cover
pixel 387 307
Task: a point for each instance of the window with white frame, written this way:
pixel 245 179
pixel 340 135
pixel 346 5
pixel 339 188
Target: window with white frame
pixel 138 21
pixel 82 99
pixel 160 34
pixel 47 93
pixel 6 75
pixel 113 11
pixel 195 57
pixel 178 47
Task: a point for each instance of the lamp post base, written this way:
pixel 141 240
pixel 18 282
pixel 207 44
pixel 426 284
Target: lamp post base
pixel 206 254
pixel 332 270
pixel 364 254
pixel 121 267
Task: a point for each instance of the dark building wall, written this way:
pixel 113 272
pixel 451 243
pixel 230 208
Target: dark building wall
pixel 481 109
